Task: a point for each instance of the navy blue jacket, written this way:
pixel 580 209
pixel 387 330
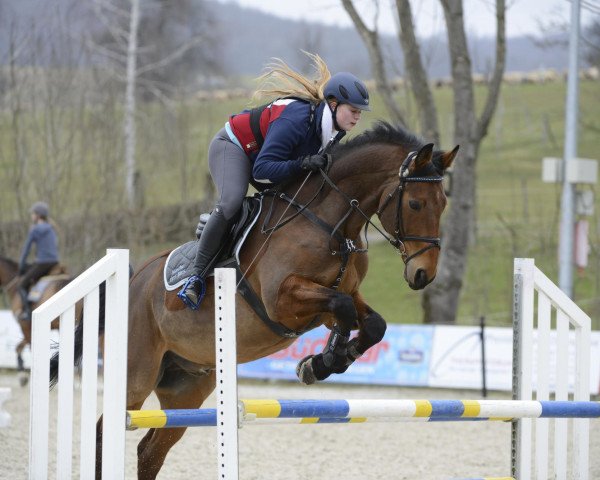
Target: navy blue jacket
pixel 290 136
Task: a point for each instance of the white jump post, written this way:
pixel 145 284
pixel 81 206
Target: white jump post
pixel 228 417
pixel 529 280
pixel 114 269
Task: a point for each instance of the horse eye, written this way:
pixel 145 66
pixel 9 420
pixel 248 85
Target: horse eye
pixel 415 205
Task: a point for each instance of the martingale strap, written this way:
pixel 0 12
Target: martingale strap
pixel 346 245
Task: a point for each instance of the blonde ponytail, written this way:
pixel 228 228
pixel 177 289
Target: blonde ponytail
pixel 280 80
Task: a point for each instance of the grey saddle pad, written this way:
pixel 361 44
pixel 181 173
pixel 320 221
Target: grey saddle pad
pixel 179 265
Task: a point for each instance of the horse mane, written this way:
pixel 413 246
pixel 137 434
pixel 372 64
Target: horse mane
pixel 385 132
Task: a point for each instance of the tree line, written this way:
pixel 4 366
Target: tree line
pixel 81 106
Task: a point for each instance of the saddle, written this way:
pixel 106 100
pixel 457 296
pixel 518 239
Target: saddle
pixel 36 292
pixel 180 261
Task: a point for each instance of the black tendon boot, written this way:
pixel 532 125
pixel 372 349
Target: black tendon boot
pixel 216 227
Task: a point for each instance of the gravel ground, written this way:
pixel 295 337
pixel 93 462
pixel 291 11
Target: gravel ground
pixel 301 452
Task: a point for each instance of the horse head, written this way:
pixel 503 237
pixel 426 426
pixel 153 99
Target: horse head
pixel 410 211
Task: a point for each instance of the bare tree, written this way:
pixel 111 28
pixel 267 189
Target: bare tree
pixel 129 41
pixel 310 39
pixel 440 299
pixel 416 73
pixel 370 38
pixel 129 121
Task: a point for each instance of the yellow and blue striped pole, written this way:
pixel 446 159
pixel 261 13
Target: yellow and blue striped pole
pixel 271 411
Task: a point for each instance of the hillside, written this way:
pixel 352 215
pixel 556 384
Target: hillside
pixel 245 39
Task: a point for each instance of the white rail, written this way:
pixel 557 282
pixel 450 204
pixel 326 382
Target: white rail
pixel 114 270
pixel 530 284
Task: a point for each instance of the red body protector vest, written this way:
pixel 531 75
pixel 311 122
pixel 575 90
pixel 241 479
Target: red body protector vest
pixel 250 128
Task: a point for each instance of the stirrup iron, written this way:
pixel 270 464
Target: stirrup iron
pixel 184 298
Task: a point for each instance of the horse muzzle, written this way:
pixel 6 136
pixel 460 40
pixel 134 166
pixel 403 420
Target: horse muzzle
pixel 420 279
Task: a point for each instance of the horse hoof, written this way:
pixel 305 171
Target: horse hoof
pixel 304 371
pixel 23 379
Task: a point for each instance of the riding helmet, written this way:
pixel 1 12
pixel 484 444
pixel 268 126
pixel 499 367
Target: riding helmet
pixel 41 209
pixel 347 88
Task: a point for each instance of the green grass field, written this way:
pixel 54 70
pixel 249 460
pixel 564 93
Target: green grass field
pixel 517 214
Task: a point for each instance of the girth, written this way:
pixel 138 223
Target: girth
pixel 253 300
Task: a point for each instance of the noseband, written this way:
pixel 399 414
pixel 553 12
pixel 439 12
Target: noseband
pixel 400 236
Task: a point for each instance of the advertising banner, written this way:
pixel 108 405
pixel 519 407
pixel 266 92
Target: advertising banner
pixel 409 355
pixel 456 358
pixel 594 361
pixel 402 358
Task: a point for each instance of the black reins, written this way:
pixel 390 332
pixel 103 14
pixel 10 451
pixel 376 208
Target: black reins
pixel 347 245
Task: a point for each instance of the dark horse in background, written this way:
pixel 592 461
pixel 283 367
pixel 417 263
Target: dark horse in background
pixel 307 273
pixel 44 289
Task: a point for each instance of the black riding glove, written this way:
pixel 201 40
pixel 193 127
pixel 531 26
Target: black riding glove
pixel 314 162
pixel 202 219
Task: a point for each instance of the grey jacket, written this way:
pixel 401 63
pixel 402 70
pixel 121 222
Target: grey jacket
pixel 46 244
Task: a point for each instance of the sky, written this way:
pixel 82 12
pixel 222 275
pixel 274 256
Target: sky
pixel 523 16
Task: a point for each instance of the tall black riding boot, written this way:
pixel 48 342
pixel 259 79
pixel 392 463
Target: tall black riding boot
pixel 26 311
pixel 208 245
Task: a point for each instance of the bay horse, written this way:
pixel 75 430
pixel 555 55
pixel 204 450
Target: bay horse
pixel 306 273
pixel 9 281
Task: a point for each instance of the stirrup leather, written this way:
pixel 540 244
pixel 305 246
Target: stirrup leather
pixel 182 293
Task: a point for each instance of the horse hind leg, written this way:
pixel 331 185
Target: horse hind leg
pixel 19 350
pixel 176 390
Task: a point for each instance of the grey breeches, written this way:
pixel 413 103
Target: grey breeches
pixel 231 171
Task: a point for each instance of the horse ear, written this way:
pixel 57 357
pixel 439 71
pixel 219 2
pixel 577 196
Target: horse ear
pixel 448 157
pixel 423 157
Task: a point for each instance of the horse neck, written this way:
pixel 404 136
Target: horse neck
pixel 8 271
pixel 359 183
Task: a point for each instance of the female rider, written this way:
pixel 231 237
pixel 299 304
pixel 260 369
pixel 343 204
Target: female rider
pixel 43 235
pixel 272 144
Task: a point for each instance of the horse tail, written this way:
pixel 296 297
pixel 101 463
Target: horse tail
pixel 78 344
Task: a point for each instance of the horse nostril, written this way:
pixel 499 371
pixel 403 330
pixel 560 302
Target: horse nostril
pixel 420 278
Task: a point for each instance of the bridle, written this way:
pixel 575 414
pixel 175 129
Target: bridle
pixel 400 237
pixel 347 246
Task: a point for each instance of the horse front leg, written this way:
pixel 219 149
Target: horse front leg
pixel 306 299
pixel 340 353
pixel 371 330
